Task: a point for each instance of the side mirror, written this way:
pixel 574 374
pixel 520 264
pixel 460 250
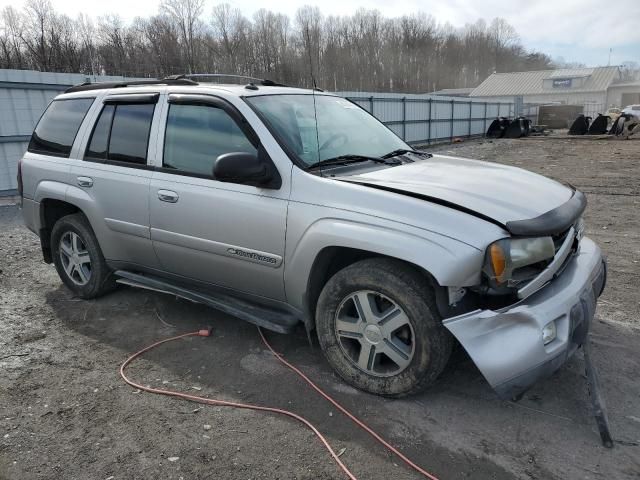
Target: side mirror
pixel 241 167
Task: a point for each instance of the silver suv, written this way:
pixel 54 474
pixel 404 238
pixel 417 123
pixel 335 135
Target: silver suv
pixel 285 206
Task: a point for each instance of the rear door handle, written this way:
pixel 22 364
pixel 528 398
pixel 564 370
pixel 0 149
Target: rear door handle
pixel 85 181
pixel 167 196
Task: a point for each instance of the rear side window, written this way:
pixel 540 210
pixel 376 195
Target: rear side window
pixel 99 144
pixel 122 133
pixel 196 135
pixel 58 127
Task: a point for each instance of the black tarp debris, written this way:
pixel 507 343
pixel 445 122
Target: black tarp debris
pixel 599 125
pixel 580 125
pixel 498 127
pixel 519 127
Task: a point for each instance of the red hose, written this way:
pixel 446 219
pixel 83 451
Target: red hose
pixel 223 403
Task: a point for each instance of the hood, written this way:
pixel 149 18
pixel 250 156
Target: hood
pixel 506 195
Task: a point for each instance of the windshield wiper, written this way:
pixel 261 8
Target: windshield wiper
pixel 346 159
pixel 403 151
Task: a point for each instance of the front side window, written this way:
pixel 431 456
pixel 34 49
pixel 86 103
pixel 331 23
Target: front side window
pixel 324 127
pixel 58 127
pixel 122 133
pixel 197 134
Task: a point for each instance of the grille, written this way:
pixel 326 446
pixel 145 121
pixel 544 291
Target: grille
pixel 559 239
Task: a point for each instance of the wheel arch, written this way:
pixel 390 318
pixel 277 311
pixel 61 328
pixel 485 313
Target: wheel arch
pixel 330 245
pixel 331 259
pixel 52 210
pixel 56 202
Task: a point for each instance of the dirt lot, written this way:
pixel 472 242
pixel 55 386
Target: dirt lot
pixel 65 413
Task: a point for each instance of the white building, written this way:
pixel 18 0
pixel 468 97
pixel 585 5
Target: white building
pixel 596 89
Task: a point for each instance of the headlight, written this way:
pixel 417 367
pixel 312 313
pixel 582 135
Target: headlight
pixel 507 255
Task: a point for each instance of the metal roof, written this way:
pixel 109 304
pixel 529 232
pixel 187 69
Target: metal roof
pixel 533 83
pixel 453 92
pixel 626 84
pixel 571 73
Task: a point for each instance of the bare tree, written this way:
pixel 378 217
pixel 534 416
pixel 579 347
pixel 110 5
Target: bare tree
pixel 363 51
pixel 225 22
pixel 503 36
pixel 11 38
pixel 309 24
pixel 186 14
pixel 38 20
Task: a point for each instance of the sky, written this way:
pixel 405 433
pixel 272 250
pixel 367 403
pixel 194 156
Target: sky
pixel 592 32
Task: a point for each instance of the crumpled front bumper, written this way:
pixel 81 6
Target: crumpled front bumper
pixel 506 345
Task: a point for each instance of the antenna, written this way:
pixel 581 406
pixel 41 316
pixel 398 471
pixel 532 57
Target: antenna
pixel 313 92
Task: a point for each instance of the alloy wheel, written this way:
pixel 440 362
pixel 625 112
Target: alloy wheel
pixel 75 258
pixel 375 333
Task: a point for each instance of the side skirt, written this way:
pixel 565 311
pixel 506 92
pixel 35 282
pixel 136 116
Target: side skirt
pixel 275 320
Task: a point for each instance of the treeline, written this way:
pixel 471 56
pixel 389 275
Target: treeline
pixel 364 51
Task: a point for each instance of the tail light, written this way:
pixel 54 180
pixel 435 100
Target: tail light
pixel 20 177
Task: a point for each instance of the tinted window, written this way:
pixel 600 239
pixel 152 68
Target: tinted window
pixel 58 127
pixel 196 135
pixel 98 146
pixel 130 133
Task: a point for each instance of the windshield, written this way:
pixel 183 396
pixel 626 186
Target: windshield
pixel 343 128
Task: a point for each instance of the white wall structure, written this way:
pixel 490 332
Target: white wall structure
pixel 595 89
pixel 624 94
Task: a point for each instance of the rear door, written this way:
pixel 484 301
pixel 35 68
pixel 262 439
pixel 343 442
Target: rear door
pixel 114 177
pixel 227 234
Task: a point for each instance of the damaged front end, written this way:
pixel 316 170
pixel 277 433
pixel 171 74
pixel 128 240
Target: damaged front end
pixel 517 345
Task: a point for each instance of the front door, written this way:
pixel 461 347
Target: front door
pixel 226 234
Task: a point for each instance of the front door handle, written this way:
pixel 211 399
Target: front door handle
pixel 85 181
pixel 167 196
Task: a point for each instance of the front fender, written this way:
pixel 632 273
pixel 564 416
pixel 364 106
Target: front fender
pixel 452 263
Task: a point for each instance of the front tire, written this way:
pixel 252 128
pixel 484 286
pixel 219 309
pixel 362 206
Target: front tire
pixel 78 258
pixel 379 328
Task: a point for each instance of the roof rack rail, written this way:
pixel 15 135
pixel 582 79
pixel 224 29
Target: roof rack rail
pixel 100 85
pixel 253 80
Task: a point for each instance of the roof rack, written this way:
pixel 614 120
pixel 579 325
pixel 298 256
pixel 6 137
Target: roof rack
pixel 184 79
pixel 253 80
pixel 100 85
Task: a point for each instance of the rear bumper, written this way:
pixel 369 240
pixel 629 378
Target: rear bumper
pixel 506 345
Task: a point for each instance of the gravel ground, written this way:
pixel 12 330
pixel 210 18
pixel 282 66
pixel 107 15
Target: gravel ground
pixel 65 413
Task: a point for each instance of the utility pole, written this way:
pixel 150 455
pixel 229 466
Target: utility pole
pixel 609 62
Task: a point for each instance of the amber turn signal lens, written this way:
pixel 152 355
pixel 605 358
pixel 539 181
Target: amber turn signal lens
pixel 498 260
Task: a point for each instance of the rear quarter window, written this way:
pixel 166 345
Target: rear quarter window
pixel 58 127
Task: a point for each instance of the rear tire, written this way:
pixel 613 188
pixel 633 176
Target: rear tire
pixel 78 258
pixel 401 346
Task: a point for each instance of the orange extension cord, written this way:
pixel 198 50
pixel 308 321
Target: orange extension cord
pixel 223 403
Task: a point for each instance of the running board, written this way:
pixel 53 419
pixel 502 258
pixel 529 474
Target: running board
pixel 275 320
